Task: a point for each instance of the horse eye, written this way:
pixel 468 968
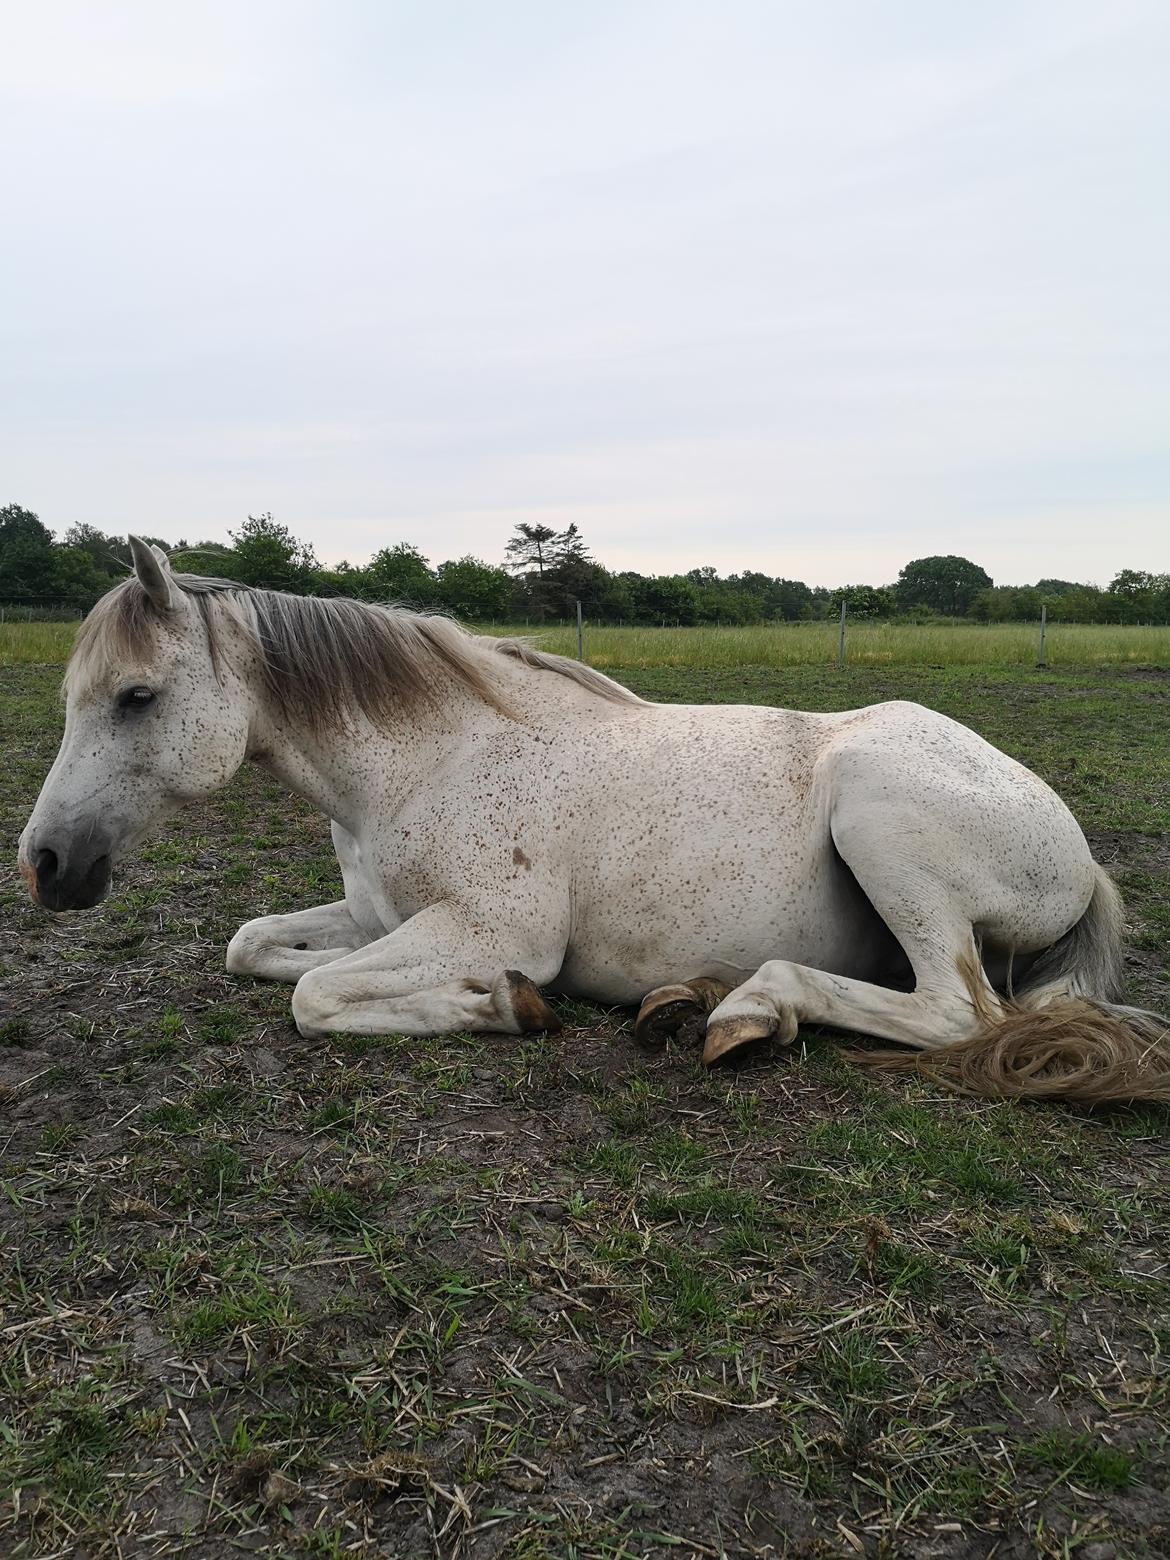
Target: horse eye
pixel 135 698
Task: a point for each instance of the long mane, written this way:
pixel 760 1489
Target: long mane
pixel 323 659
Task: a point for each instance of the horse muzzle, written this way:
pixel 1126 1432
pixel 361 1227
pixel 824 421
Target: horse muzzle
pixel 62 879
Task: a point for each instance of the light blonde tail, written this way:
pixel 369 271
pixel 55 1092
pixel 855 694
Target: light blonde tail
pixel 1090 1053
pixel 1063 1034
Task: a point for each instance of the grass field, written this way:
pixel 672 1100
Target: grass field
pixel 542 1297
pixel 776 644
pixel 874 644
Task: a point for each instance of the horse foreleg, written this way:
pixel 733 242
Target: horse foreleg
pixel 438 972
pixel 284 947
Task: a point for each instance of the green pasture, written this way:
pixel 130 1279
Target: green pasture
pixel 773 644
pixel 866 644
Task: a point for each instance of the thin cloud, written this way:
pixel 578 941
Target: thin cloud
pixel 809 290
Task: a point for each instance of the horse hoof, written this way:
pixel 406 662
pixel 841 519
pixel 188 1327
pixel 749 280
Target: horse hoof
pixel 529 1008
pixel 663 1013
pixel 668 1009
pixel 731 1034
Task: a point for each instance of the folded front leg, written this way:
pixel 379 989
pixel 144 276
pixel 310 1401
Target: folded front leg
pixel 442 970
pixel 284 947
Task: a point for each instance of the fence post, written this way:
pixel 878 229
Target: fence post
pixel 1041 659
pixel 580 641
pixel 841 637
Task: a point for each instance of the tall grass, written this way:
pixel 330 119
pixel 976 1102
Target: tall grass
pixel 773 644
pixel 44 642
pixel 876 644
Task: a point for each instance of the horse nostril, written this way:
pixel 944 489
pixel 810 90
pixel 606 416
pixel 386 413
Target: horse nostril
pixel 46 864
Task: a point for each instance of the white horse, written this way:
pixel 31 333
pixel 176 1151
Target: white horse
pixel 495 809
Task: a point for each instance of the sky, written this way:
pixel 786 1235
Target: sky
pixel 812 288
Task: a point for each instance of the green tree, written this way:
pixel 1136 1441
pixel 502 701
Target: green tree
pixel 213 559
pixel 474 590
pixel 27 561
pixel 1082 604
pixel 109 554
pixel 1138 597
pixel 1006 604
pixel 864 601
pixel 531 550
pixel 345 580
pixel 267 554
pixel 570 573
pixel 530 556
pixel 402 573
pixel 721 601
pixel 945 584
pixel 664 598
pixel 789 599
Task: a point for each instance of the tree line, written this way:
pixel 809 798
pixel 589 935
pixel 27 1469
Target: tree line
pixel 545 572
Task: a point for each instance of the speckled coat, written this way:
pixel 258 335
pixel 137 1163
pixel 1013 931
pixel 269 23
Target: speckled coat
pixel 851 869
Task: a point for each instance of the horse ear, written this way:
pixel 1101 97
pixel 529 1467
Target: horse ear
pixel 160 555
pixel 152 575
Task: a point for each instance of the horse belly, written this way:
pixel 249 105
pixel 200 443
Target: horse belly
pixel 756 901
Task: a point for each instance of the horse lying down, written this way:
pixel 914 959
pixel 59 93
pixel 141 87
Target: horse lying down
pixel 496 810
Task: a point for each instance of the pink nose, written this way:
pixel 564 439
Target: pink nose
pixel 28 873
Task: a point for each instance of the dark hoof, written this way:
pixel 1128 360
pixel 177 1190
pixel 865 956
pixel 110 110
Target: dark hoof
pixel 668 1009
pixel 664 1012
pixel 529 1008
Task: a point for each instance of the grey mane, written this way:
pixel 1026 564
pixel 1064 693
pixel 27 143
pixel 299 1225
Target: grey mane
pixel 322 658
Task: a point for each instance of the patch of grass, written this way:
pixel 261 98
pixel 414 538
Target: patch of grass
pixel 226 1026
pixel 245 1297
pixel 337 1208
pixel 214 1102
pixel 84 1428
pixel 615 1159
pixel 219 1171
pixel 853 1365
pixel 337 1117
pixel 901 1271
pixel 58 1136
pixel 703 1202
pixel 867 645
pixel 1082 1459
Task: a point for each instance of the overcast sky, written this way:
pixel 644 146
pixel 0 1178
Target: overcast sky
pixel 809 288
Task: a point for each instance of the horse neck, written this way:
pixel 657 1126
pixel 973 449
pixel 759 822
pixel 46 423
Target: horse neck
pixel 347 769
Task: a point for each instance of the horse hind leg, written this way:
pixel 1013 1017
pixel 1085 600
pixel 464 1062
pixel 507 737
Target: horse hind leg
pixel 952 1000
pixel 1059 1040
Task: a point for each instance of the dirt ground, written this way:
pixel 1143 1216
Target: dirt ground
pixel 555 1296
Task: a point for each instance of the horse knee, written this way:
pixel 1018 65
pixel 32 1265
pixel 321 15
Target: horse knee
pixel 314 1009
pixel 243 952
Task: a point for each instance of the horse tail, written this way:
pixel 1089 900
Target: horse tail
pixel 1062 1033
pixel 1088 962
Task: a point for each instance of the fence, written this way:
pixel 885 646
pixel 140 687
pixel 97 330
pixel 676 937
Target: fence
pixel 17 609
